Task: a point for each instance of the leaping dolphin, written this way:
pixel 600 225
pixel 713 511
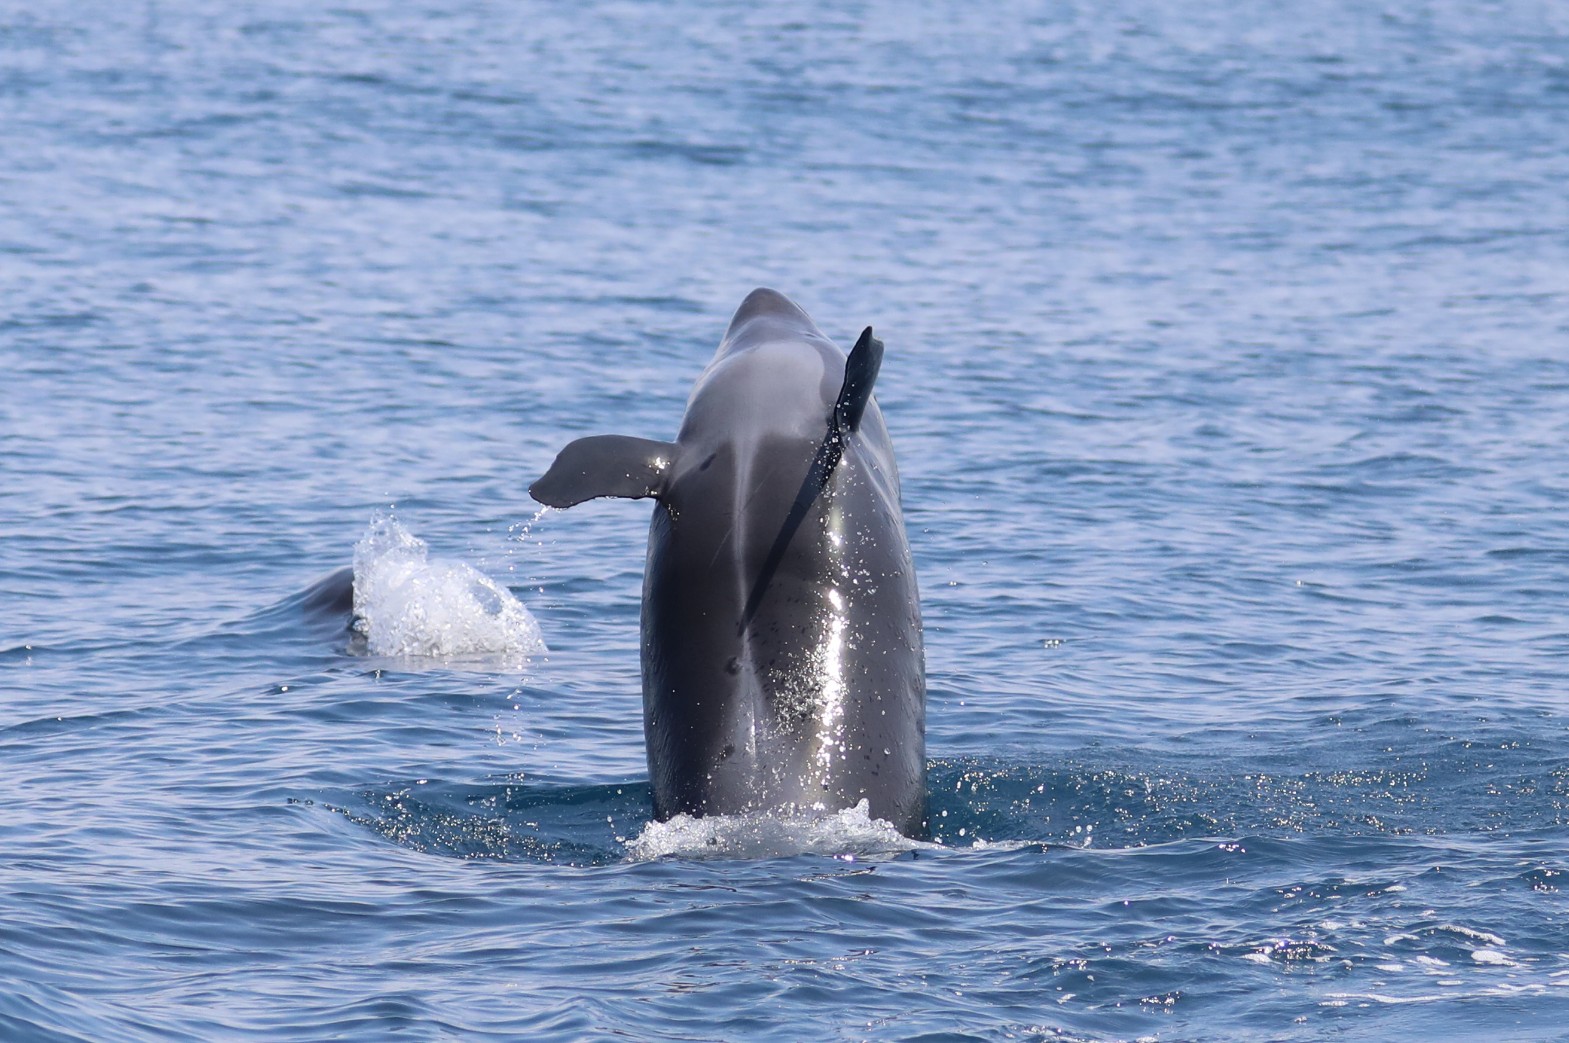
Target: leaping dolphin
pixel 782 661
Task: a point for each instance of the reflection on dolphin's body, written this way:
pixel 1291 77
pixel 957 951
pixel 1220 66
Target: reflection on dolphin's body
pixel 782 658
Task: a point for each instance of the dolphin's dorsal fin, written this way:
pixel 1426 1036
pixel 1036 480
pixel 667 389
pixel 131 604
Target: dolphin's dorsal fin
pixel 860 373
pixel 606 465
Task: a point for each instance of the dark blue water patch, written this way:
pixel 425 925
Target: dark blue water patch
pixel 689 152
pixel 51 321
pixel 1352 778
pixel 1509 785
pixel 515 821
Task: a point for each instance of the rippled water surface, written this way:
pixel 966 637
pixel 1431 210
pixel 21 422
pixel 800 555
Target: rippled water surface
pixel 1228 367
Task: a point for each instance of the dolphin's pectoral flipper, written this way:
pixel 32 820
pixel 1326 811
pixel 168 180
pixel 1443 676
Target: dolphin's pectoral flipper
pixel 860 373
pixel 606 465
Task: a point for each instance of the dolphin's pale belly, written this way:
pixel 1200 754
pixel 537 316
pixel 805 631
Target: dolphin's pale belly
pixel 818 697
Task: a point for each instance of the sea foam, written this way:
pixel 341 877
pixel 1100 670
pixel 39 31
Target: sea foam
pixel 843 834
pixel 408 605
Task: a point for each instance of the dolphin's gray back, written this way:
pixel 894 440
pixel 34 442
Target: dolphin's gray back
pixel 781 665
pixel 782 659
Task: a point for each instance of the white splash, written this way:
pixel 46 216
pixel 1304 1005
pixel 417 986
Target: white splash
pixel 407 605
pixel 1492 958
pixel 845 834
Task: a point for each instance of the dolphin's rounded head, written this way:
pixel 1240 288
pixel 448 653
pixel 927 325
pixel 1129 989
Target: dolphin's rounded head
pixel 769 314
pixel 774 375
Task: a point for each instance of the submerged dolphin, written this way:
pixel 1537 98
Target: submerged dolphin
pixel 782 659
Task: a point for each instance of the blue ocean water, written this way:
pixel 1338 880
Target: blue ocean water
pixel 1228 367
